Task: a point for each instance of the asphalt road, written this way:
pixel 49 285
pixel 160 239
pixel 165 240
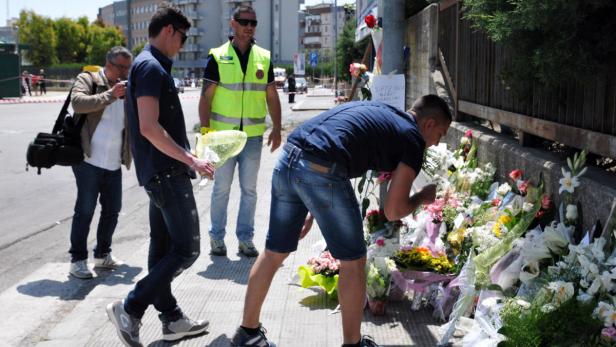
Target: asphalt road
pixel 36 210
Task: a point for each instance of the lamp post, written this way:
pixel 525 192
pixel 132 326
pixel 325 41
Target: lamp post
pixel 335 48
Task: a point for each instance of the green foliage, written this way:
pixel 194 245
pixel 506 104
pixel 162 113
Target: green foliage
pixel 70 35
pixel 571 324
pixel 101 39
pixel 551 41
pixel 348 51
pixel 138 48
pixel 66 40
pixel 38 33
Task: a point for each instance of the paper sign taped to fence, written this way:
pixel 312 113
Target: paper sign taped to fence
pixel 389 89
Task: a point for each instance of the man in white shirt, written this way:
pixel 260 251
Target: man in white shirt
pixel 98 95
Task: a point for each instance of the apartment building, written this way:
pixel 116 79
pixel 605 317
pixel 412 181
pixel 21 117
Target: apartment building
pixel 319 26
pixel 277 30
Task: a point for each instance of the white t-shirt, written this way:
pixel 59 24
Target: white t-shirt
pixel 107 139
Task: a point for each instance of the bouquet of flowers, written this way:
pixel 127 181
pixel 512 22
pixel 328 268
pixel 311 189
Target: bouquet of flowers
pixel 218 146
pixel 378 274
pixel 321 271
pixel 421 258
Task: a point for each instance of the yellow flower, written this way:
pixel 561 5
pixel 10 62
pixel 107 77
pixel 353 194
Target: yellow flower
pixel 496 229
pixel 505 219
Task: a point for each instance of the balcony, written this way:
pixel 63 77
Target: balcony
pixel 191 48
pixel 195 32
pixel 192 15
pixel 186 2
pixel 311 40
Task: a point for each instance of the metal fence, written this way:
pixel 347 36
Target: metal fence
pixel 578 114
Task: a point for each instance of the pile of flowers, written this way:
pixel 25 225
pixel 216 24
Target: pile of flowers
pixel 422 259
pixel 321 271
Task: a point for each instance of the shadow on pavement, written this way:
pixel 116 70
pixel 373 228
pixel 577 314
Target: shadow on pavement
pixel 225 268
pixel 220 341
pixel 414 322
pixel 162 343
pixel 77 289
pixel 319 301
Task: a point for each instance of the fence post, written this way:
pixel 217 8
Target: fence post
pixel 457 116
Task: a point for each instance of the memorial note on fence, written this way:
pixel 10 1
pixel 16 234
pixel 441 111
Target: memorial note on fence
pixel 389 89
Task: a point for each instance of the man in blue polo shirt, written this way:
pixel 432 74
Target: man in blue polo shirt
pixel 164 167
pixel 311 180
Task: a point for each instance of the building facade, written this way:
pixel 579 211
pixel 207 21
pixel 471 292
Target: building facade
pixel 277 30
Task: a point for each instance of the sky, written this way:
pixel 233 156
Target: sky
pixel 77 8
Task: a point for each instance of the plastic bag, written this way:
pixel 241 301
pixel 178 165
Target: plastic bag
pixel 219 146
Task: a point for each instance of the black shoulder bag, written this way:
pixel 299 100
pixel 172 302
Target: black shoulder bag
pixel 63 145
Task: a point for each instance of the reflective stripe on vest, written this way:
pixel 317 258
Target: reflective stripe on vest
pixel 240 99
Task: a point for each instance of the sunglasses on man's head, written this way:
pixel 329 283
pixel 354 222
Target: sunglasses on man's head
pixel 245 22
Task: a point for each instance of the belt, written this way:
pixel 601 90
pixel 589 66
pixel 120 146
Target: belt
pixel 315 163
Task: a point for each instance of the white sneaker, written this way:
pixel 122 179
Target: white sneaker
pixel 108 262
pixel 80 269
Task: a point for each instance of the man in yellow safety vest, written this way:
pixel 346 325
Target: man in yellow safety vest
pixel 238 92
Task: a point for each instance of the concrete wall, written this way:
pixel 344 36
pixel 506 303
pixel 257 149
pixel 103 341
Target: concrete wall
pixel 423 76
pixel 421 38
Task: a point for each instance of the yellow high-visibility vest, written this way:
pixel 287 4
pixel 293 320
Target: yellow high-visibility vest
pixel 240 99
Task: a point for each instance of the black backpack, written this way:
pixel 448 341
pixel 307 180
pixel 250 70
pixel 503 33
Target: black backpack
pixel 63 145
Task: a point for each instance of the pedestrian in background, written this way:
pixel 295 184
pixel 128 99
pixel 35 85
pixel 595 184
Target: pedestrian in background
pixel 97 96
pixel 311 180
pixel 291 88
pixel 238 92
pixel 25 83
pixel 42 83
pixel 164 167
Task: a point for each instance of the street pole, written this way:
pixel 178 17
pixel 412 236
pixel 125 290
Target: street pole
pixel 335 48
pixel 392 14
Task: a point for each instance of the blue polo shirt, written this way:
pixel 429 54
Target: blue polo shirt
pixel 362 136
pixel 150 75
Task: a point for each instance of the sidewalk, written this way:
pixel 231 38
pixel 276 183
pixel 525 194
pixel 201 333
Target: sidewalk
pixel 317 99
pixel 50 309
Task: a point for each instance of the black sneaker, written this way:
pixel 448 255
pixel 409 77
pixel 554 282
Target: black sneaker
pixel 242 339
pixel 367 341
pixel 183 327
pixel 126 326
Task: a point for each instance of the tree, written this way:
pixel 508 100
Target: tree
pixel 100 40
pixel 70 35
pixel 347 50
pixel 38 34
pixel 138 48
pixel 82 50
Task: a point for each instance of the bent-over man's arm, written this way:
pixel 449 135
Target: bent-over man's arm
pixel 398 203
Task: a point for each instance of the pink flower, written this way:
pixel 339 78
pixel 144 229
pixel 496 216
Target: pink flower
pixel 608 333
pixel 496 202
pixel 522 186
pixel 469 133
pixel 546 202
pixel 370 21
pixel 380 242
pixel 516 174
pixel 383 177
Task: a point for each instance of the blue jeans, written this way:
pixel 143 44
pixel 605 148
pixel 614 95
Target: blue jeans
pixel 174 243
pixel 298 189
pixel 95 183
pixel 248 162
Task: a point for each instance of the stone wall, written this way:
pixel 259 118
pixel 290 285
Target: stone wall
pixel 421 37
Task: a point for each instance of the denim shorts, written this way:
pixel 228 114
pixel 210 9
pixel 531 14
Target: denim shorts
pixel 296 189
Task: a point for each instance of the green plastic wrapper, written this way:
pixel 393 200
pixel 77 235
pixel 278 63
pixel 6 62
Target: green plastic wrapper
pixel 219 146
pixel 307 279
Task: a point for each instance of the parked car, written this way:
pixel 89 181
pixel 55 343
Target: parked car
pixel 178 85
pixel 280 75
pixel 301 86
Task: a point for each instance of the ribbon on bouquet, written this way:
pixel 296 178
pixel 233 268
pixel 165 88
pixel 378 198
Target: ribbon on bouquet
pixel 418 281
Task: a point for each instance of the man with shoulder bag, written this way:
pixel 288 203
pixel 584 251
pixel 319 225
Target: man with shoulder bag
pixel 97 96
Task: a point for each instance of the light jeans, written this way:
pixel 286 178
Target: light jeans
pixel 248 162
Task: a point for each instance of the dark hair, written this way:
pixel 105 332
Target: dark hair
pixel 243 9
pixel 431 106
pixel 167 14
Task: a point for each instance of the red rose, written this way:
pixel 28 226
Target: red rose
pixel 370 21
pixel 496 202
pixel 522 186
pixel 468 133
pixel 516 174
pixel 546 202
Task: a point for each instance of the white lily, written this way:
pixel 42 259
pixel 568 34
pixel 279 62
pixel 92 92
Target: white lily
pixel 584 297
pixel 527 207
pixel 596 249
pixel 465 140
pixel 503 189
pixel 568 183
pixel 572 212
pixel 595 286
pixel 557 236
pixel 563 291
pixel 607 279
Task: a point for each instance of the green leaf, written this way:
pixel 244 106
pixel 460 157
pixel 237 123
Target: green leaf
pixel 365 203
pixel 362 182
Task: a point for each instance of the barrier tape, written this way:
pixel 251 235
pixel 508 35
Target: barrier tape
pixel 48 100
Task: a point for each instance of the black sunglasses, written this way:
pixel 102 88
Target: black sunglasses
pixel 184 36
pixel 245 22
